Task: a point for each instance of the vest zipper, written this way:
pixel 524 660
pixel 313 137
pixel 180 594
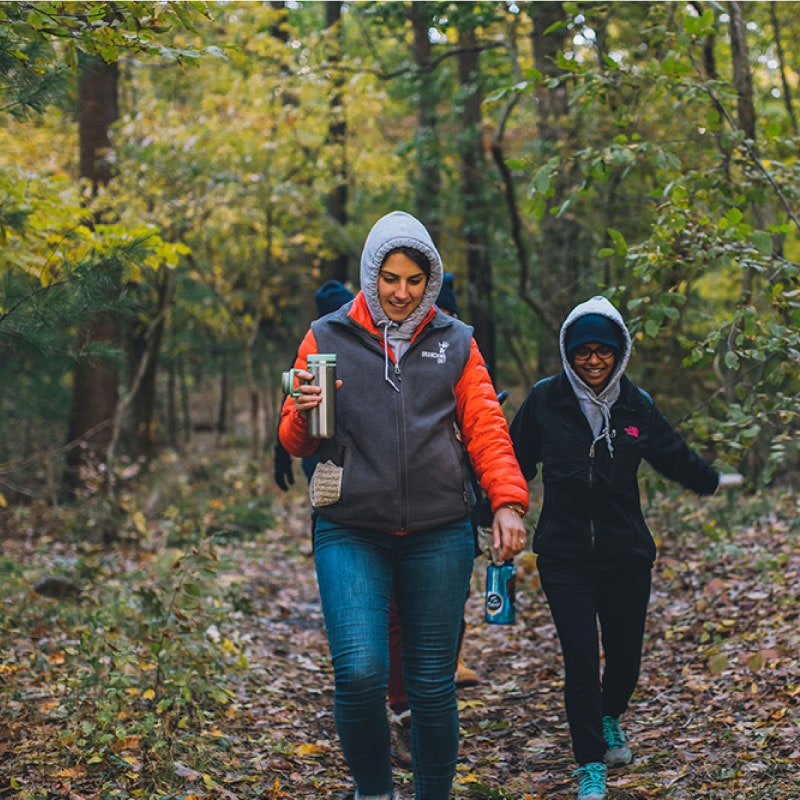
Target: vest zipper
pixel 401 432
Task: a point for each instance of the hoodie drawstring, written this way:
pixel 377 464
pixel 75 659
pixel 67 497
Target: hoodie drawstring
pixel 605 431
pixel 386 324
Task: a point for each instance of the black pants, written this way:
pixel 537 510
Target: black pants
pixel 578 597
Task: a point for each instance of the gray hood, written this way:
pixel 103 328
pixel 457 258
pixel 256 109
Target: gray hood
pixel 398 229
pixel 597 408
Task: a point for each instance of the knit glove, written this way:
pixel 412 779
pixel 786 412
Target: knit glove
pixel 283 468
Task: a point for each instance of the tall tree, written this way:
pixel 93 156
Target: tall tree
pixel 786 90
pixel 429 169
pixel 559 240
pixel 336 266
pixel 143 347
pixel 96 381
pixel 474 192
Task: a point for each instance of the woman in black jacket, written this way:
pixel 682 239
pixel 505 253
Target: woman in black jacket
pixel 590 427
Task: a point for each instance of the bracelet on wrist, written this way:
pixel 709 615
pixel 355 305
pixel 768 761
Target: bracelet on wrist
pixel 516 508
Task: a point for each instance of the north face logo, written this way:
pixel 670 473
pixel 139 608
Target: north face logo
pixel 441 356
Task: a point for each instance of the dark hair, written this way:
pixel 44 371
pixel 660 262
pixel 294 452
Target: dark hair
pixel 417 256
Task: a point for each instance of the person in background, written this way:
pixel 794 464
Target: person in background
pixel 464 677
pixel 590 427
pixel 329 297
pixel 393 498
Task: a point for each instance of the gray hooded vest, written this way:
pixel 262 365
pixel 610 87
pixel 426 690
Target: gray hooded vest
pixel 402 467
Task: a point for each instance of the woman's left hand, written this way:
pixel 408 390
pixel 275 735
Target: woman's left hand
pixel 509 532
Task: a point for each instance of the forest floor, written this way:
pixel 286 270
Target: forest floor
pixel 226 690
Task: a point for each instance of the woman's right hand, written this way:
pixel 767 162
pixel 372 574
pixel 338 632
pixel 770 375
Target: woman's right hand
pixel 306 395
pixel 509 532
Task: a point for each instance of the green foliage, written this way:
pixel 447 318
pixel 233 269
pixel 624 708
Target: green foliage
pixel 142 667
pixel 56 273
pixel 108 30
pixel 25 90
pixel 696 249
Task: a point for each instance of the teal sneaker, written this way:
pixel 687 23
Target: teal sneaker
pixel 592 781
pixel 618 753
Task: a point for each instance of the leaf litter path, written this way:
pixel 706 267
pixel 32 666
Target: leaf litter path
pixel 715 714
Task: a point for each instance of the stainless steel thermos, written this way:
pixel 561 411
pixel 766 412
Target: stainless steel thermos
pixel 500 593
pixel 322 419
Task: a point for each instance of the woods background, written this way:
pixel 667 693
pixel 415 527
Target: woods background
pixel 176 181
pixel 178 178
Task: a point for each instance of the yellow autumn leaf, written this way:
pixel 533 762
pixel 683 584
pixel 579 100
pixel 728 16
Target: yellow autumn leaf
pixel 717 663
pixel 308 750
pixel 463 705
pixel 3 501
pixel 139 522
pixel 71 772
pixel 148 694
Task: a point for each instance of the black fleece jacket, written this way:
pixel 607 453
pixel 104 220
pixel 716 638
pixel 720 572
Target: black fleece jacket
pixel 591 510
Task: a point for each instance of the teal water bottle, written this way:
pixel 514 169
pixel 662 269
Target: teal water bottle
pixel 500 593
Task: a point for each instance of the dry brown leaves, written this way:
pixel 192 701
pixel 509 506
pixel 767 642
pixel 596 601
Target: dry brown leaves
pixel 715 715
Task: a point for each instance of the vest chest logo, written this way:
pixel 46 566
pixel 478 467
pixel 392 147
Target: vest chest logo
pixel 441 356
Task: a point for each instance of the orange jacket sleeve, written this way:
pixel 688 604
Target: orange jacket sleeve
pixel 293 427
pixel 485 434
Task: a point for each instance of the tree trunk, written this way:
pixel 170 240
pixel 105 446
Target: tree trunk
pixel 554 292
pixel 186 414
pixel 429 170
pixel 98 109
pixel 787 92
pixel 95 385
pixel 335 267
pixel 145 343
pixel 742 77
pixel 222 410
pixel 475 210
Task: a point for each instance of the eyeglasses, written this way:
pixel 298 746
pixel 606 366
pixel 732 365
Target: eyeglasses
pixel 583 353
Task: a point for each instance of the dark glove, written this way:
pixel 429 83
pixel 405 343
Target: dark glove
pixel 283 468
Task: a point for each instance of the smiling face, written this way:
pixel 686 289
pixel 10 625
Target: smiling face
pixel 401 285
pixel 594 364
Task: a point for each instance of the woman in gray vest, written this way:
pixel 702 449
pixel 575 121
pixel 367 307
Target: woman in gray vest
pixel 393 498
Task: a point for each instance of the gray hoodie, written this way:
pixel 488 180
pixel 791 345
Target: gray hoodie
pixel 398 229
pixel 597 407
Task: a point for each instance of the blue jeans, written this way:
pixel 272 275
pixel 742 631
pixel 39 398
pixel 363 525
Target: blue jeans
pixel 430 573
